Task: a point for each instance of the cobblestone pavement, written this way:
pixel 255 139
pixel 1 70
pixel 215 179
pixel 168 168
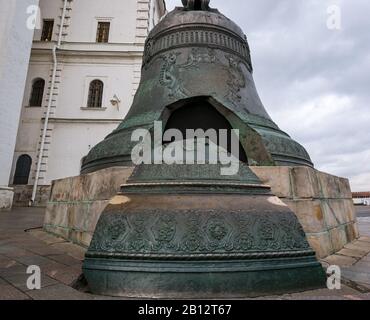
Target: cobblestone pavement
pixel 61 262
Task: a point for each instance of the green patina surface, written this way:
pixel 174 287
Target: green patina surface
pixel 170 238
pixel 186 230
pixel 193 54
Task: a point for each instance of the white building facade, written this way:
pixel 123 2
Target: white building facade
pixel 84 70
pixel 16 33
pixel 361 198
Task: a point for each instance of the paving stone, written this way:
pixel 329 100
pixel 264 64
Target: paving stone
pixel 358 247
pixel 6 248
pixel 35 260
pixel 363 263
pixel 52 268
pixel 365 286
pixel 345 290
pixel 17 269
pixel 5 241
pixel 356 276
pixel 46 237
pixel 355 297
pixel 65 275
pixel 17 252
pixel 65 259
pixel 366 259
pixel 338 260
pixel 58 292
pixel 73 250
pixel 360 268
pixel 95 297
pixel 20 281
pixel 321 298
pixel 364 239
pixel 8 292
pixel 351 253
pixel 6 262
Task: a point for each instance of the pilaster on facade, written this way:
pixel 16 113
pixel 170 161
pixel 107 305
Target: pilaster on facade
pixel 67 20
pixel 142 31
pixel 142 21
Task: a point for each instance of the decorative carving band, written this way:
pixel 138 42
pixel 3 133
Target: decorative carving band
pixel 210 38
pixel 192 234
pixel 189 257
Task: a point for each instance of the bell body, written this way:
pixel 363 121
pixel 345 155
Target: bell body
pixel 186 230
pixel 198 236
pixel 199 54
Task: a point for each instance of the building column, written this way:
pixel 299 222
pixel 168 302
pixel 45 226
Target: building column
pixel 15 42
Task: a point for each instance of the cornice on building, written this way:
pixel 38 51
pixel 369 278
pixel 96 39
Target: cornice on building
pixel 64 53
pixel 83 120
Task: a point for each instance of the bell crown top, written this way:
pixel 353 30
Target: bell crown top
pixel 196 4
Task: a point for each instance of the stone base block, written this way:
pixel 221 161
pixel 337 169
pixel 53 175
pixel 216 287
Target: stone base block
pixel 76 203
pixel 6 198
pixel 322 203
pixel 23 195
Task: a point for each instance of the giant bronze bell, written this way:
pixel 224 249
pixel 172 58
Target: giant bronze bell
pixel 185 230
pixel 197 52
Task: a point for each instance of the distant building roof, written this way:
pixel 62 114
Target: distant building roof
pixel 357 195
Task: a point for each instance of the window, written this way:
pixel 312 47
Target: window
pixel 37 93
pixel 22 171
pixel 102 35
pixel 47 30
pixel 95 99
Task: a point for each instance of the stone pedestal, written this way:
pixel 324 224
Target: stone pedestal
pixel 322 203
pixel 76 203
pixel 23 195
pixel 6 198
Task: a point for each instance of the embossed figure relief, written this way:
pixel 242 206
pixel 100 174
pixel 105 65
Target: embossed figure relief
pixel 236 79
pixel 138 239
pixel 164 231
pixel 189 232
pixel 170 75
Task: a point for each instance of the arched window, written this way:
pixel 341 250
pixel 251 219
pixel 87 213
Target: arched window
pixel 23 168
pixel 95 99
pixel 37 93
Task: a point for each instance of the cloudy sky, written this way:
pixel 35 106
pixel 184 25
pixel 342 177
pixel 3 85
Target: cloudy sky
pixel 313 80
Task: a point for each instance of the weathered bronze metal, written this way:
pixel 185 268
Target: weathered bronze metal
pixel 186 231
pixel 198 52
